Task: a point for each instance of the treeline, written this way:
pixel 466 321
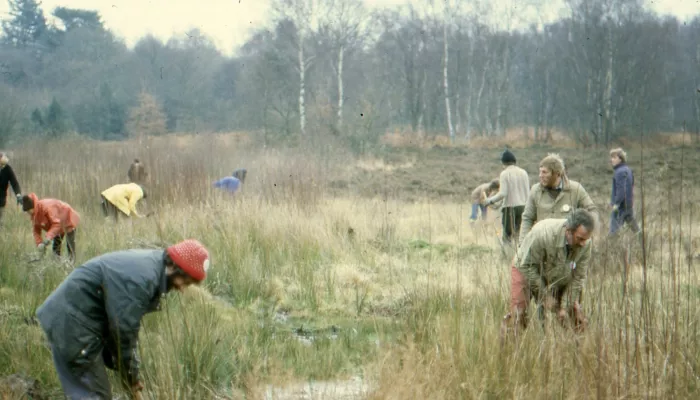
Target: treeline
pixel 608 69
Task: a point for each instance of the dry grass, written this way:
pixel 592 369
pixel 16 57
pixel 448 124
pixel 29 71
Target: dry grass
pixel 415 292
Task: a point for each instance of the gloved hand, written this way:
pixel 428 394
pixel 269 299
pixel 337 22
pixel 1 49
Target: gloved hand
pixel 615 207
pixel 19 199
pixel 42 246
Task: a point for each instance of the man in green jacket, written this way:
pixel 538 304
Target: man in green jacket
pixel 92 319
pixel 551 266
pixel 555 196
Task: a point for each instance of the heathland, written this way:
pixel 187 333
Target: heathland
pixel 339 276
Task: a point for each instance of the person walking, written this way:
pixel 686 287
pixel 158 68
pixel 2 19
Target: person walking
pixel 479 196
pixel 122 199
pixel 551 267
pixel 622 198
pixel 7 178
pixel 513 190
pixel 57 218
pixel 554 196
pixel 92 319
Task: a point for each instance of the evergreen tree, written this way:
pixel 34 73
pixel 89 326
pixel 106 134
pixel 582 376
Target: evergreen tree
pixel 26 25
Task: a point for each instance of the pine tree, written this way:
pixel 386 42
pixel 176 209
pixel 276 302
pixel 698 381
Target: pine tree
pixel 147 118
pixel 55 119
pixel 26 25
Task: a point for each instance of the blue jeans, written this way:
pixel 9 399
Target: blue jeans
pixel 619 218
pixel 475 211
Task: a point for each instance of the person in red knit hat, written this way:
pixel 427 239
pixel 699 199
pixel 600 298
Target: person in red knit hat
pixel 92 319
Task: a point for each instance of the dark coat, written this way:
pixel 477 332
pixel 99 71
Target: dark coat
pixel 98 309
pixel 7 177
pixel 623 188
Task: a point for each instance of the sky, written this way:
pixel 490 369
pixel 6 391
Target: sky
pixel 229 22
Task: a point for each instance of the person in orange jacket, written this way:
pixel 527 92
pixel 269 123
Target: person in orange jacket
pixel 57 218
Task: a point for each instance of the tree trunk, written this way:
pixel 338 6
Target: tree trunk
pixel 341 52
pixel 302 84
pixel 607 103
pixel 446 81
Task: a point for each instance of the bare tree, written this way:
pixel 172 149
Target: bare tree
pixel 346 24
pixel 305 14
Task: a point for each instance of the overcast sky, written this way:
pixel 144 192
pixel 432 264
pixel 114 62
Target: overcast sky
pixel 228 22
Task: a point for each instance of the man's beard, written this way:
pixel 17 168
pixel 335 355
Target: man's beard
pixel 169 283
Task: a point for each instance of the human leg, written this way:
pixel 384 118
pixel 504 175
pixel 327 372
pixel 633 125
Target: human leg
pixel 484 211
pixel 83 383
pixel 475 209
pixel 57 242
pixel 70 245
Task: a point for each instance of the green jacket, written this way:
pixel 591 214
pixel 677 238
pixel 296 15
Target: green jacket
pixel 540 205
pixel 542 258
pixel 98 309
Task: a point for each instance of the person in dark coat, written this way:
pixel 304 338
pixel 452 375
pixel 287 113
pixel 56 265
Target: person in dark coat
pixel 622 198
pixel 137 172
pixel 7 178
pixel 92 319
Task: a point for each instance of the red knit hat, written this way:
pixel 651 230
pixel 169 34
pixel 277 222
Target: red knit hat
pixel 191 257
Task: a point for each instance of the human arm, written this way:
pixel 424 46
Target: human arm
pixel 133 199
pixel 573 291
pixel 13 181
pixel 502 192
pixel 55 226
pixel 529 214
pixel 620 183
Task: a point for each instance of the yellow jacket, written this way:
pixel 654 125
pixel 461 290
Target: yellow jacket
pixel 124 197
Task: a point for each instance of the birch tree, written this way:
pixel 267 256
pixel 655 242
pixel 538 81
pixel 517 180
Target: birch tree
pixel 346 24
pixel 305 14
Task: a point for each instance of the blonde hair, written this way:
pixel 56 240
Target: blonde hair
pixel 621 154
pixel 4 159
pixel 554 163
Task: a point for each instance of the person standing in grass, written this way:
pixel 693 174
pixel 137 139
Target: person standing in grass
pixel 57 218
pixel 137 172
pixel 7 178
pixel 551 267
pixel 555 196
pixel 479 196
pixel 514 188
pixel 122 199
pixel 622 198
pixel 92 320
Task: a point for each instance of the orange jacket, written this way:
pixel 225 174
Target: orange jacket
pixel 53 216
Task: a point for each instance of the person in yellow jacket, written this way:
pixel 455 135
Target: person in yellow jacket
pixel 122 198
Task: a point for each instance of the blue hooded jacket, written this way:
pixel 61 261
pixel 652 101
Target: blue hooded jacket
pixel 623 188
pixel 229 183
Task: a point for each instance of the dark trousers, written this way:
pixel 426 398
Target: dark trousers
pixel 109 209
pixel 88 382
pixel 511 219
pixel 619 218
pixel 70 244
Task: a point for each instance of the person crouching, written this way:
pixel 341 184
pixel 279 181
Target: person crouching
pixel 551 266
pixel 92 319
pixel 57 218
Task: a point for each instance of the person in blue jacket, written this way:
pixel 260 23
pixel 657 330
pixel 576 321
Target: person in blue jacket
pixel 622 199
pixel 232 183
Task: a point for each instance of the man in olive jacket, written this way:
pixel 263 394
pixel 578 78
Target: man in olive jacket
pixel 551 266
pixel 555 196
pixel 92 319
